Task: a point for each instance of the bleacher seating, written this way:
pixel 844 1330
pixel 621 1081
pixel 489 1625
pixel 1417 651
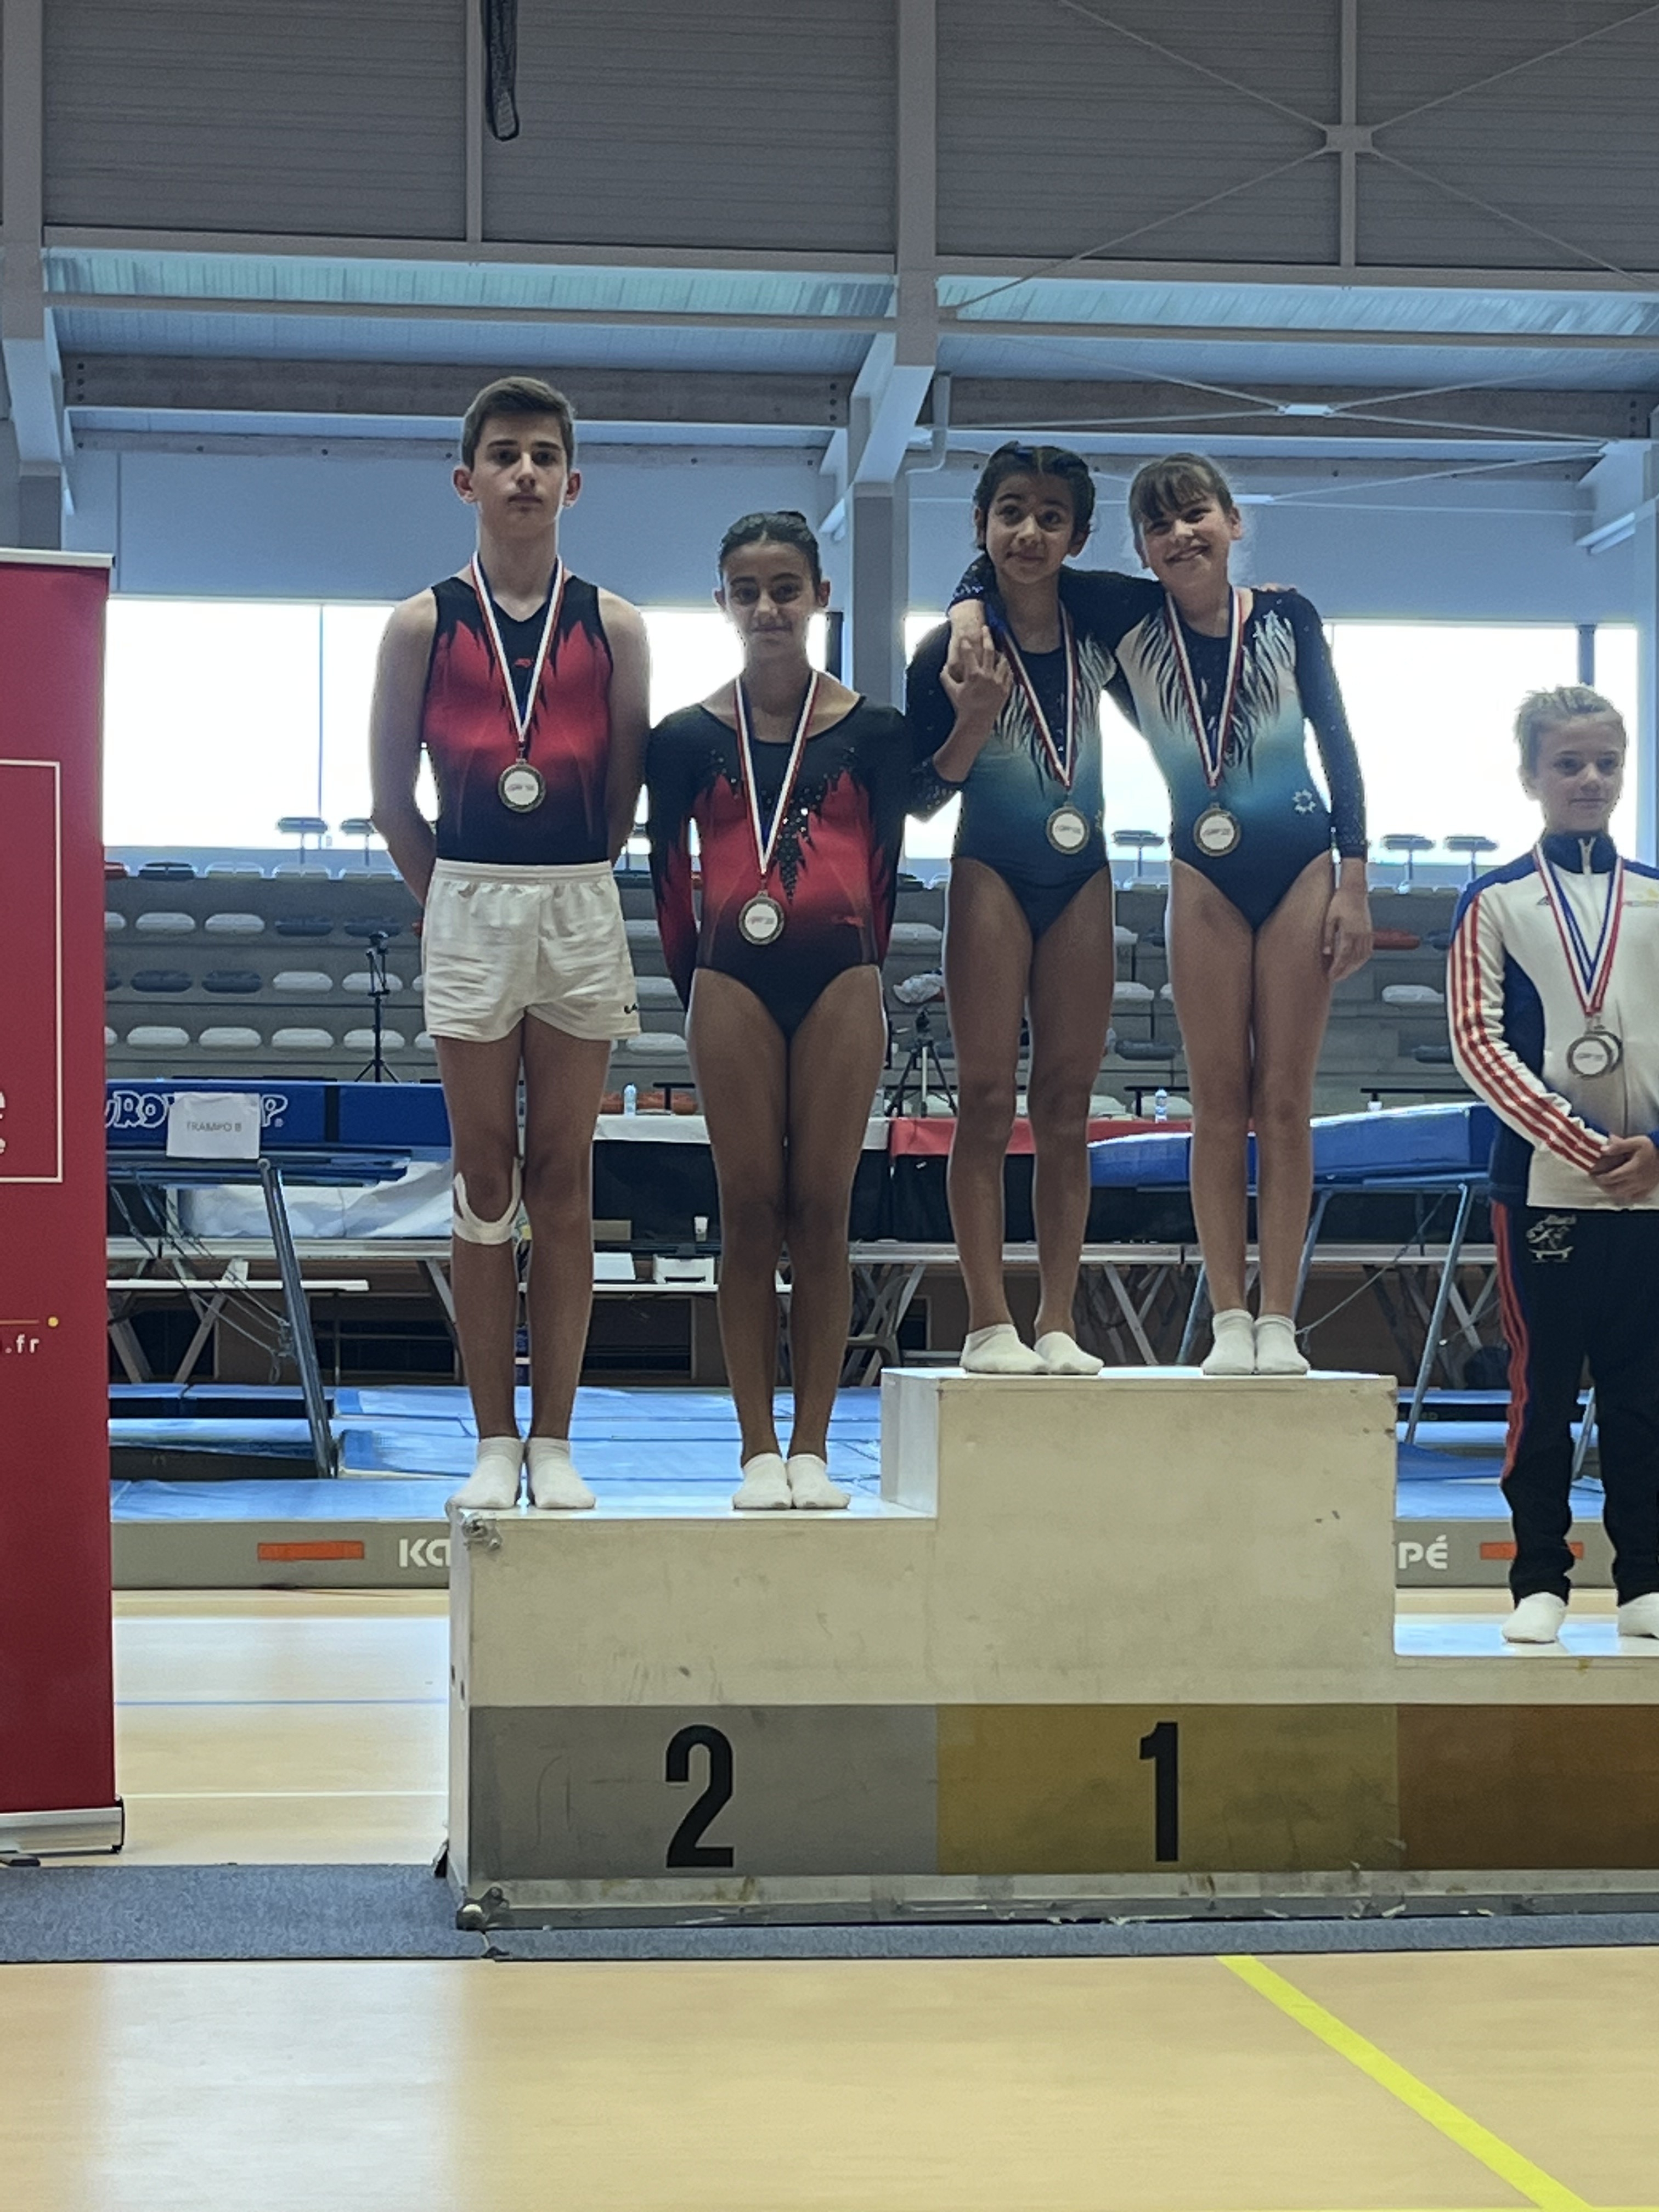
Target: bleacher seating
pixel 297 975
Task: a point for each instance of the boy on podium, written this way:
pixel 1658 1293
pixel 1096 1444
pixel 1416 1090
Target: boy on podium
pixel 1553 1002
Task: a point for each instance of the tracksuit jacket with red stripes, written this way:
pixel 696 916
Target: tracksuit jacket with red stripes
pixel 1514 1011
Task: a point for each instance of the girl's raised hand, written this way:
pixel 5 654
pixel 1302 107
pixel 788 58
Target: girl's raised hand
pixel 977 681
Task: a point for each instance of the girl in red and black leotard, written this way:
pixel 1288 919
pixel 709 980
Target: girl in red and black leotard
pixel 798 788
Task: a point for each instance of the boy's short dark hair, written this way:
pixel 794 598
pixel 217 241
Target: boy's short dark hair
pixel 517 395
pixel 1542 711
pixel 1017 459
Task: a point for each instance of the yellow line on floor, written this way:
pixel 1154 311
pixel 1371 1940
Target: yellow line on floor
pixel 1496 2156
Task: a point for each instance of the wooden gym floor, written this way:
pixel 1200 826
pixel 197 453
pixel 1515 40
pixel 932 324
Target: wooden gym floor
pixel 311 1728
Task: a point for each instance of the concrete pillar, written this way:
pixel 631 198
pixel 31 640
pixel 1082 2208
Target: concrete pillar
pixel 1646 732
pixel 878 536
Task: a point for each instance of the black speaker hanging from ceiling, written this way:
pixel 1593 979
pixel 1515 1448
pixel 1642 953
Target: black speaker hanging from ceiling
pixel 500 39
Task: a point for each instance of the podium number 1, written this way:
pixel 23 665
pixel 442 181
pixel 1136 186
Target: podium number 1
pixel 687 1848
pixel 1161 1745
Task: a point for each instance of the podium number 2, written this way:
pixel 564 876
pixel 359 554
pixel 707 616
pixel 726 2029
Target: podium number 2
pixel 687 1848
pixel 1161 1745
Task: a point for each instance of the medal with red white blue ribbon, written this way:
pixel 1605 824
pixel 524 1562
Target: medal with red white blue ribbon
pixel 1600 1049
pixel 1067 826
pixel 1217 830
pixel 522 788
pixel 763 917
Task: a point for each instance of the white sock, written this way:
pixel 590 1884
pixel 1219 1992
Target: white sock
pixel 493 1485
pixel 1639 1616
pixel 1061 1354
pixel 997 1350
pixel 1536 1619
pixel 810 1490
pixel 765 1485
pixel 1233 1351
pixel 554 1484
pixel 1277 1351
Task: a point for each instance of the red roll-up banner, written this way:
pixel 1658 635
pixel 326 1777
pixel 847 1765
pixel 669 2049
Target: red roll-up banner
pixel 56 1703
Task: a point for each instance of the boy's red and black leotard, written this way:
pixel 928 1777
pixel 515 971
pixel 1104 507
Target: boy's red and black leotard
pixel 467 729
pixel 835 870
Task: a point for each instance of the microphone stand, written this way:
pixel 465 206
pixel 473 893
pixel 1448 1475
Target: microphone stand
pixel 377 1071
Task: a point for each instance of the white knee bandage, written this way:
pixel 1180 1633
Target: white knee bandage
pixel 467 1223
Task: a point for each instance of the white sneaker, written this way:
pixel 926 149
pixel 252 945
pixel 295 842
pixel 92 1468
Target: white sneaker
pixel 765 1486
pixel 554 1484
pixel 1639 1616
pixel 1061 1354
pixel 810 1490
pixel 1233 1351
pixel 1276 1348
pixel 997 1350
pixel 493 1485
pixel 1536 1619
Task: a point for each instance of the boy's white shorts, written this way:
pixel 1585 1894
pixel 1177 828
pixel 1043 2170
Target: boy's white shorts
pixel 499 943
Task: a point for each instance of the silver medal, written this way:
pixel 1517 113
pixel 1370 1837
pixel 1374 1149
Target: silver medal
pixel 521 787
pixel 1216 833
pixel 761 920
pixel 1068 829
pixel 1600 1049
pixel 1598 1052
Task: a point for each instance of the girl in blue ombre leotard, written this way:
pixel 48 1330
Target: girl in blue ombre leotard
pixel 1223 684
pixel 1028 922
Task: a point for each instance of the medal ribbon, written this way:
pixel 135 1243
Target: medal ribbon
pixel 1062 759
pixel 1591 970
pixel 765 841
pixel 1213 756
pixel 520 721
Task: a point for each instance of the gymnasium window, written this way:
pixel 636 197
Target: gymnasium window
pixel 222 715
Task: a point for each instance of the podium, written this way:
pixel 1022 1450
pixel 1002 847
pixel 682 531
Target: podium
pixel 1100 1645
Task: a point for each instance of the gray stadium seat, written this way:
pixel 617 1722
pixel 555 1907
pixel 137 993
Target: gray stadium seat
pixel 157 1036
pixel 227 1037
pixel 235 924
pixel 163 922
pixel 160 979
pixel 232 982
pixel 300 1039
pixel 307 982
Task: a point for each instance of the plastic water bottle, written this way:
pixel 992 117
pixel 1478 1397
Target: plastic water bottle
pixel 1160 1104
pixel 630 1098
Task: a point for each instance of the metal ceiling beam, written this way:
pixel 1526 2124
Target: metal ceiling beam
pixel 502 314
pixel 208 384
pixel 1293 411
pixel 26 340
pixel 423 392
pixel 970 327
pixel 538 254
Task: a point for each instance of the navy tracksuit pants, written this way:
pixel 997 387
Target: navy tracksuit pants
pixel 1581 1287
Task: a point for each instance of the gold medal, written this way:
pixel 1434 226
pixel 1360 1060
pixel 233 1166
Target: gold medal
pixel 1216 833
